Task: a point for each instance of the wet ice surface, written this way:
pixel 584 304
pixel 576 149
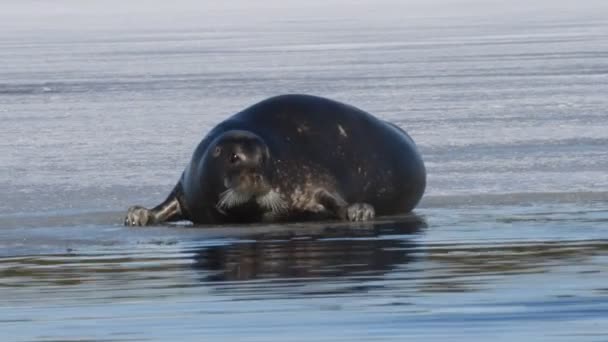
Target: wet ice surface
pixel 465 273
pixel 508 109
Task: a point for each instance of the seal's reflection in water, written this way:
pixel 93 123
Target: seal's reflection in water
pixel 305 253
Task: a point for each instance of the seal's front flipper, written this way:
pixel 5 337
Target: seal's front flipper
pixel 359 212
pixel 169 210
pixel 139 216
pixel 341 209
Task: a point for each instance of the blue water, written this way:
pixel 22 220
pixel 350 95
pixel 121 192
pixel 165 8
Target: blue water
pixel 102 105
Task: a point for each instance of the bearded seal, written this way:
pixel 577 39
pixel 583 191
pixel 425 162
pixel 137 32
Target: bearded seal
pixel 293 158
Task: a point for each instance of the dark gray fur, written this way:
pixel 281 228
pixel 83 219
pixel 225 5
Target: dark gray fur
pixel 317 158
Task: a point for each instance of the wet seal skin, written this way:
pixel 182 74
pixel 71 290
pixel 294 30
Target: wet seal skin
pixel 295 158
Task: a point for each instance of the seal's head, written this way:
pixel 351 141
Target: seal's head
pixel 243 161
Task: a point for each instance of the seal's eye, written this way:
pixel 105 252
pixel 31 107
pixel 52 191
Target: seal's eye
pixel 234 158
pixel 217 151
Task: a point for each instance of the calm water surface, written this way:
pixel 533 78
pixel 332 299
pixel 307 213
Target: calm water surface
pixel 101 107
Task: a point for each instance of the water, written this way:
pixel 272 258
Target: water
pixel 101 107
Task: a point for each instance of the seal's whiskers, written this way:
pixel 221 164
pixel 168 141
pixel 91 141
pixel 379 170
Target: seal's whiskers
pixel 273 201
pixel 231 198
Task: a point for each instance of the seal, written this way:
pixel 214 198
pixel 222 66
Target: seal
pixel 294 158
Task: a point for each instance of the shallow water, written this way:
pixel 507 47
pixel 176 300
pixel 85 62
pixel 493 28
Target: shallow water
pixel 507 104
pixel 466 273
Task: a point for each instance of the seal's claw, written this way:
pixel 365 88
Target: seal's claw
pixel 139 216
pixel 360 212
